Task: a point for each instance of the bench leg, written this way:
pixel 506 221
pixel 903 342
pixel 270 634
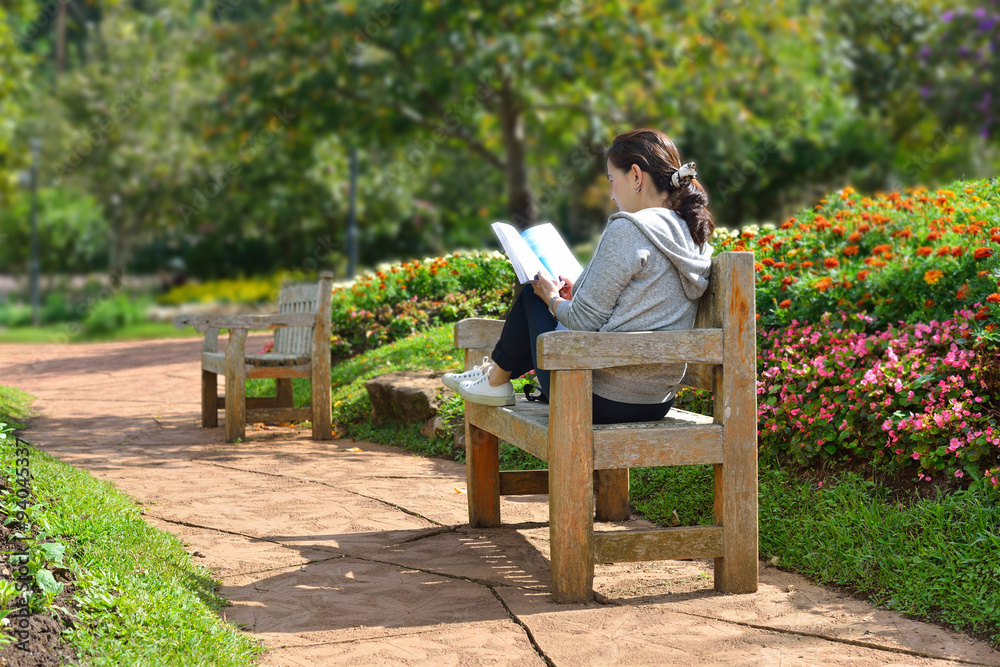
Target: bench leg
pixel 736 510
pixel 482 472
pixel 613 495
pixel 571 486
pixel 236 385
pixel 283 391
pixel 209 399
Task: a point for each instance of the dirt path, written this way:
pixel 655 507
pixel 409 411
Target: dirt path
pixel 338 557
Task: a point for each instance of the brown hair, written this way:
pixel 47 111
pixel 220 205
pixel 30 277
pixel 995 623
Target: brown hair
pixel 656 155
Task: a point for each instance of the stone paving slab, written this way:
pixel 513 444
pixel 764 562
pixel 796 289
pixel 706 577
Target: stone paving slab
pixel 338 557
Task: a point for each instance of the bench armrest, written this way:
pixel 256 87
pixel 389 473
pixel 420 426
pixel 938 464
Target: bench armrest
pixel 477 333
pixel 580 350
pixel 246 322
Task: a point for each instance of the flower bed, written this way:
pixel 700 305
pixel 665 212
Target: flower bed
pixel 913 257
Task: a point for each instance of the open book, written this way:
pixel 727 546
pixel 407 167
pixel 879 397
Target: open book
pixel 536 248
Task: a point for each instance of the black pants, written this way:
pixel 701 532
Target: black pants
pixel 516 352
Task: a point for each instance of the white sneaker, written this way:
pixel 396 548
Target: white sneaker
pixel 454 380
pixel 480 391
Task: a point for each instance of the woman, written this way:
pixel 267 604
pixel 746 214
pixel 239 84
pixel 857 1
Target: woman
pixel 647 273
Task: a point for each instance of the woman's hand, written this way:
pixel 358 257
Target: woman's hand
pixel 546 287
pixel 567 291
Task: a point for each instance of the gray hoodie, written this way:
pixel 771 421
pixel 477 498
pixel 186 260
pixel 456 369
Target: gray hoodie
pixel 646 275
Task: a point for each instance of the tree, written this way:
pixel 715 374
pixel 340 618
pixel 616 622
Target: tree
pixel 123 122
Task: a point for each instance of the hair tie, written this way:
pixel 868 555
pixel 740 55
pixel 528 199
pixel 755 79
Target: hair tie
pixel 684 175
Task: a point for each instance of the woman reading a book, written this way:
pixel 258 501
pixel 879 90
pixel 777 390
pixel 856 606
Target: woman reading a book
pixel 649 269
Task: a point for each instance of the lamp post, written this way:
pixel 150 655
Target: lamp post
pixel 352 218
pixel 36 146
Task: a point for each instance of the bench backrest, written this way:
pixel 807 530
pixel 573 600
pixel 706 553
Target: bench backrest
pixel 297 299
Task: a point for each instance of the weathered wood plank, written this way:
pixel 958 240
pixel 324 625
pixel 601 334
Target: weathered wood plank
pixel 302 371
pixel 214 362
pixel 667 544
pixel 322 408
pixel 204 322
pixel 736 410
pixel 267 415
pixel 591 349
pixel 258 403
pixel 235 385
pixel 209 394
pixel 612 495
pixel 482 477
pixel 524 425
pixel 524 482
pixel 477 332
pixel 283 392
pixel 668 445
pixel 571 492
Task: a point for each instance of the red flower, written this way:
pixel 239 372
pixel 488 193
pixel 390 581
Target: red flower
pixel 767 261
pixel 993 298
pixel 863 274
pixel 766 277
pixel 924 251
pixel 831 262
pixel 962 292
pixel 929 303
pixel 851 250
pixel 982 253
pixel 785 304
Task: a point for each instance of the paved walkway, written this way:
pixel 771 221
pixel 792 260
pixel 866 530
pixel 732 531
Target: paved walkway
pixel 337 557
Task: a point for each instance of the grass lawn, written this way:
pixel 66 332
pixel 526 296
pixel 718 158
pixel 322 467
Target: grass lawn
pixel 141 599
pixel 62 333
pixel 935 558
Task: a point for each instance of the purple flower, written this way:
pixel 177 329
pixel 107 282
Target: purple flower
pixel 963 51
pixel 925 91
pixel 979 13
pixel 947 16
pixel 925 52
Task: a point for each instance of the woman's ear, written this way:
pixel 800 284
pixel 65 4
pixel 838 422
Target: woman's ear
pixel 636 174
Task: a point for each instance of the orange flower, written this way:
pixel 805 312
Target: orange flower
pixel 880 249
pixel 944 251
pixel 838 230
pixel 982 313
pixel 785 304
pixel 855 237
pixel 821 223
pixel 767 261
pixel 929 303
pixel 831 262
pixel 779 265
pixel 863 274
pixel 757 266
pixel 851 250
pixel 932 276
pixel 824 284
pixel 807 264
pixel 982 253
pixel 993 298
pixel 924 251
pixel 983 274
pixel 933 236
pixel 766 277
pixel 788 280
pixel 963 292
pixel 787 224
pixel 995 238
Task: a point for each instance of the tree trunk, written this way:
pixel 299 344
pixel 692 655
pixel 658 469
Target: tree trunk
pixel 519 198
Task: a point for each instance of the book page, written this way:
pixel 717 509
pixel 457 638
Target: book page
pixel 522 258
pixel 552 251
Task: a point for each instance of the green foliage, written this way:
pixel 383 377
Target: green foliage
pixel 115 313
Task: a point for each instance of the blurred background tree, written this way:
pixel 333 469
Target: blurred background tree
pixel 461 113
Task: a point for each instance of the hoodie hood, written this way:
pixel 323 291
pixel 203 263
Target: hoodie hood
pixel 670 234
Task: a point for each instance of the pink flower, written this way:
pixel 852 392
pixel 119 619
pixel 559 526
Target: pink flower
pixel 959 473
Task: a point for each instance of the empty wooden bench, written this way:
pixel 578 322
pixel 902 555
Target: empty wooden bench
pixel 721 356
pixel 301 349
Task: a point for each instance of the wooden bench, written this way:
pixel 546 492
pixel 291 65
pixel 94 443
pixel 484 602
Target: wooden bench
pixel 721 356
pixel 301 349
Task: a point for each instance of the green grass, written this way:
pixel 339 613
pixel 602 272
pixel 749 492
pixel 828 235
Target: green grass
pixel 142 599
pixel 15 406
pixel 66 333
pixel 935 558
